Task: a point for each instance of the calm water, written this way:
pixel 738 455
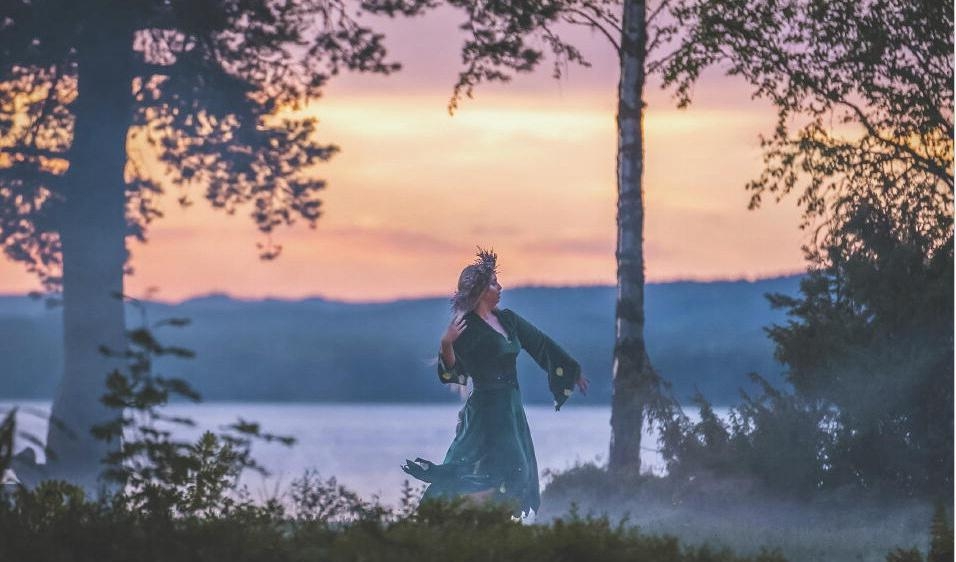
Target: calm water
pixel 363 445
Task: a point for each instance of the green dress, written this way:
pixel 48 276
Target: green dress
pixel 492 448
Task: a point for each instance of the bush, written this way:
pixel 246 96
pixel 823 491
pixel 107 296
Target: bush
pixel 56 522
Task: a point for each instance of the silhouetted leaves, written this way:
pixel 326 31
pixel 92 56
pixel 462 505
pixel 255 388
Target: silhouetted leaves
pixel 864 100
pixel 214 88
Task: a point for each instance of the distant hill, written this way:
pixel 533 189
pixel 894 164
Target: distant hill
pixel 703 335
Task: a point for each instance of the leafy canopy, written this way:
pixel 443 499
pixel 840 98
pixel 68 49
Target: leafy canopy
pixel 214 88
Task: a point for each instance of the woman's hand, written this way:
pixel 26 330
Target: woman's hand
pixel 454 330
pixel 583 383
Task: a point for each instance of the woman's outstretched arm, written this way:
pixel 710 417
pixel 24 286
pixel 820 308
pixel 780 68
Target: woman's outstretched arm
pixel 450 368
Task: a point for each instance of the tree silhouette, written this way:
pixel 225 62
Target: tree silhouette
pixel 864 136
pixel 211 87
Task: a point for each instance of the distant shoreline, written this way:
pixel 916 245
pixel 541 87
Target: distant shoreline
pixel 700 336
pixel 225 295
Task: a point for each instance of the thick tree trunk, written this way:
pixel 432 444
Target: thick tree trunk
pixel 633 374
pixel 94 251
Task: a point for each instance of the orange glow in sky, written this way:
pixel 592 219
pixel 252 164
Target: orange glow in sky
pixel 526 168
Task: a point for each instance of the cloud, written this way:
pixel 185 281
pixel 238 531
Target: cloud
pixel 497 230
pixel 399 239
pixel 587 247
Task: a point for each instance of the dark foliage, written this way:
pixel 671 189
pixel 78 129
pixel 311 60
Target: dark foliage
pixel 211 89
pixel 864 96
pixel 768 441
pixel 505 38
pixel 872 338
pixel 869 355
pixel 864 100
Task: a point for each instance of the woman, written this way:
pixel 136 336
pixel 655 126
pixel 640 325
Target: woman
pixel 492 456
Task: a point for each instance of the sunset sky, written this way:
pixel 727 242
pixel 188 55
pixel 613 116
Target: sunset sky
pixel 527 168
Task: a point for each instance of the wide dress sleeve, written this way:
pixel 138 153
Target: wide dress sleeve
pixel 563 371
pixel 457 373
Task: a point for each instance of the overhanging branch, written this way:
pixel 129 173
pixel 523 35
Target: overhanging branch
pixel 593 23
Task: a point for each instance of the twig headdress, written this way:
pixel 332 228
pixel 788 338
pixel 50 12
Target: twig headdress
pixel 473 281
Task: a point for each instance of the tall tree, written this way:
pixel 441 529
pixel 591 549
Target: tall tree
pixel 211 87
pixel 501 41
pixel 864 99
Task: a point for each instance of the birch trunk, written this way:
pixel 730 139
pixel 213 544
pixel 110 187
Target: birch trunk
pixel 94 252
pixel 632 372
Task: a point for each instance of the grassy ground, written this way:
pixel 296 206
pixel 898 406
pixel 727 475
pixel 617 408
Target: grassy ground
pixel 585 516
pixel 56 524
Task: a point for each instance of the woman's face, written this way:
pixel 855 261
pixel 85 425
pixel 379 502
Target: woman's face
pixel 492 293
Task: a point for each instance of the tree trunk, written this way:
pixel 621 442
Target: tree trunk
pixel 94 251
pixel 632 371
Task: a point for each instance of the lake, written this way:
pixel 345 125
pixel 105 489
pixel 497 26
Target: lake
pixel 364 445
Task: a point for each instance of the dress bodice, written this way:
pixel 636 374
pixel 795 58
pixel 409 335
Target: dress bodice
pixel 490 359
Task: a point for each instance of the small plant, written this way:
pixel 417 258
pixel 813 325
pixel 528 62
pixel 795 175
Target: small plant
pixel 324 501
pixel 155 471
pixel 410 499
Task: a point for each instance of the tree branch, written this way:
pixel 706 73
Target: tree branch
pixel 591 22
pixel 655 65
pixel 30 136
pixel 657 11
pixel 609 20
pixel 928 164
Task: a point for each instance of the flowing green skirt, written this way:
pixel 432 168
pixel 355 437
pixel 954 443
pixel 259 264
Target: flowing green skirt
pixel 492 450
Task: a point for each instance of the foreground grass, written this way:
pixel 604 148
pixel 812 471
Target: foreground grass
pixel 736 516
pixel 646 520
pixel 56 523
